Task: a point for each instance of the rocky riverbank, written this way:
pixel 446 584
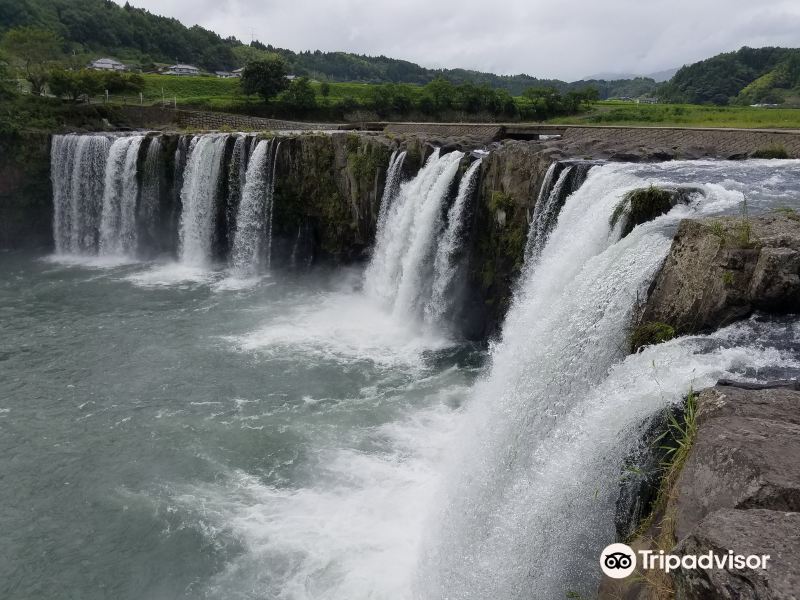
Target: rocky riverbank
pixel 738 487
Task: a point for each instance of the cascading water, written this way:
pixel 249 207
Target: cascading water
pixel 150 194
pixel 236 178
pixel 77 171
pixel 120 193
pixel 445 265
pixel 252 245
pixel 548 205
pixel 201 181
pixel 529 496
pixel 390 188
pixel 399 274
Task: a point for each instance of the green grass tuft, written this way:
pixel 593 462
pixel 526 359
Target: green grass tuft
pixel 649 334
pixel 772 151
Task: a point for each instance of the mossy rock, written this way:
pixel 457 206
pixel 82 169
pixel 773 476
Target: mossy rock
pixel 500 201
pixel 649 334
pixel 645 204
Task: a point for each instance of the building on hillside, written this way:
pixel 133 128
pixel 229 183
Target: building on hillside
pixel 238 72
pixel 107 64
pixel 225 74
pixel 647 100
pixel 182 70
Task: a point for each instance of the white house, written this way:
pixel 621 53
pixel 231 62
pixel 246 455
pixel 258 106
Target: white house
pixel 182 70
pixel 107 64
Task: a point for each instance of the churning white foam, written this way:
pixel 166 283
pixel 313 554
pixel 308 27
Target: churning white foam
pixel 343 325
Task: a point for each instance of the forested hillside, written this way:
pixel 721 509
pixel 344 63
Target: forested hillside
pixel 93 27
pixel 747 76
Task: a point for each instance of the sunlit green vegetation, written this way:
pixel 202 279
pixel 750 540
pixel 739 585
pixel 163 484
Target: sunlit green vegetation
pixel 685 115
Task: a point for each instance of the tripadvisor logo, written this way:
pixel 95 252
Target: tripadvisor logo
pixel 619 560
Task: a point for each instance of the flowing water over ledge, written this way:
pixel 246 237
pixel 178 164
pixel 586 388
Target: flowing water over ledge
pixel 171 430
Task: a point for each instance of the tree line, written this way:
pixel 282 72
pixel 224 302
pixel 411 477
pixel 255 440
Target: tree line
pixel 267 79
pixel 38 57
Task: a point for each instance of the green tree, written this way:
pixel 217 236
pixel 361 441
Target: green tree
pixel 75 84
pixel 438 95
pixel 265 77
pixel 120 83
pixel 34 50
pixel 325 89
pixel 300 96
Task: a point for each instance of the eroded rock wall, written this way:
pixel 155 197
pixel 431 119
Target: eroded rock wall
pixel 26 208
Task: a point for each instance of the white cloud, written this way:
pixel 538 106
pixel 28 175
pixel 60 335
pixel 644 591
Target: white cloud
pixel 539 37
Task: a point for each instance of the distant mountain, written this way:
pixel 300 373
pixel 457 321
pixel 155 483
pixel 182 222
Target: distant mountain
pixel 662 76
pixel 609 76
pixel 747 76
pixel 658 76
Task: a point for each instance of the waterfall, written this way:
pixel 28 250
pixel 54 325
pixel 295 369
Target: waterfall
pixel 150 195
pixel 120 193
pixel 445 264
pixel 77 172
pixel 529 496
pixel 271 204
pixel 201 179
pixel 399 273
pixel 548 205
pixel 236 179
pixel 253 238
pixel 390 188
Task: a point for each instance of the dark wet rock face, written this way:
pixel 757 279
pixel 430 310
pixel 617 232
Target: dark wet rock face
pixel 744 532
pixel 721 270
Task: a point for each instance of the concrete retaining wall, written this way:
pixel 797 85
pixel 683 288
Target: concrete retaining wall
pixel 154 116
pixel 712 142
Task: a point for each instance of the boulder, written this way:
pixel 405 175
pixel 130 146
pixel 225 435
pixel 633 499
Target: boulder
pixel 720 270
pixel 746 455
pixel 745 532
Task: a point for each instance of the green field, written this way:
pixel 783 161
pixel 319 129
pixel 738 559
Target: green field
pixel 189 89
pixel 220 94
pixel 685 115
pixel 216 93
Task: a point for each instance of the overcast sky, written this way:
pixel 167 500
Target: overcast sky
pixel 544 38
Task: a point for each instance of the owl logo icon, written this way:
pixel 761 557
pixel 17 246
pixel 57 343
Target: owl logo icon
pixel 618 561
